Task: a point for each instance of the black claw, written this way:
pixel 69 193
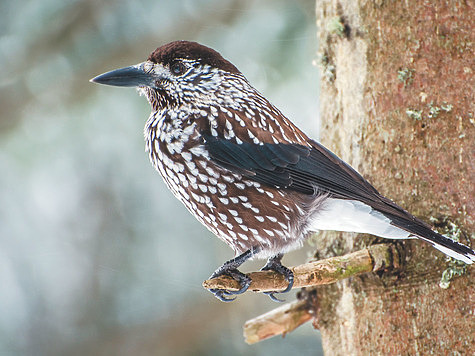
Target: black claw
pixel 230 269
pixel 274 264
pixel 243 280
pixel 219 293
pixel 273 297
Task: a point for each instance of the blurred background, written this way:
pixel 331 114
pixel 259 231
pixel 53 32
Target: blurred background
pixel 96 255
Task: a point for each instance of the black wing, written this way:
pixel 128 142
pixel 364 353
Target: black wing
pixel 292 166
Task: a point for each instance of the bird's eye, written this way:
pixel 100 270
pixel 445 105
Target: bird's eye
pixel 177 68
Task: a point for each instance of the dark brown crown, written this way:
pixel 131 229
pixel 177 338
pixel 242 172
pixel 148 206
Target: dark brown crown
pixel 172 51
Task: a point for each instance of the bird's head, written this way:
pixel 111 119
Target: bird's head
pixel 175 74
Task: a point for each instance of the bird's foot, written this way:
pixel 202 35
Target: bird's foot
pixel 230 269
pixel 223 294
pixel 274 264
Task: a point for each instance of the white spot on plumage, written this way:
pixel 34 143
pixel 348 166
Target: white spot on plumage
pixel 195 196
pixel 187 156
pixel 191 179
pixel 242 244
pixel 228 179
pixel 261 240
pixel 183 179
pixel 238 219
pixel 259 218
pixel 240 185
pixel 269 232
pixel 242 236
pixel 254 209
pixel 190 164
pixel 284 226
pixel 199 151
pixel 203 177
pixel 211 172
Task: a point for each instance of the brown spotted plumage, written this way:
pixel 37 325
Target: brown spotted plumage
pixel 245 171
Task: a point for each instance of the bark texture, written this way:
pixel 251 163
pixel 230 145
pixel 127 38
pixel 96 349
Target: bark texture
pixel 397 104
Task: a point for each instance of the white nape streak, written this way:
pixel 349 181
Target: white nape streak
pixel 354 216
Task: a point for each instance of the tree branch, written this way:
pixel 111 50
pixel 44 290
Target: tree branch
pixel 279 321
pixel 288 317
pixel 316 273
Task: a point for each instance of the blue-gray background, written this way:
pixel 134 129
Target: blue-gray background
pixel 96 256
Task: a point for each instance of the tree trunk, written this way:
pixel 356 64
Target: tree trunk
pixel 397 104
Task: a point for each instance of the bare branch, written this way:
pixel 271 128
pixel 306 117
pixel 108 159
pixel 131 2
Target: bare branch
pixel 316 273
pixel 279 321
pixel 288 317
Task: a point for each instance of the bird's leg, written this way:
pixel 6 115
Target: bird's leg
pixel 230 268
pixel 274 264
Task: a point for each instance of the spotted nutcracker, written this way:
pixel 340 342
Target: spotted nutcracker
pixel 248 173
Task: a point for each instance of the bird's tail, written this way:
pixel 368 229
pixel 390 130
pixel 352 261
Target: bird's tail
pixel 450 247
pixel 442 243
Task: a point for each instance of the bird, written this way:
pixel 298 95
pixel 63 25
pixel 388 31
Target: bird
pixel 246 172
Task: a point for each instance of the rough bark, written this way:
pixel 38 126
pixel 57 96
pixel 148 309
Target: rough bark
pixel 397 104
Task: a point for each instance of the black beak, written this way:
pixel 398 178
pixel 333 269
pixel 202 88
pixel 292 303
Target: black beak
pixel 133 76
